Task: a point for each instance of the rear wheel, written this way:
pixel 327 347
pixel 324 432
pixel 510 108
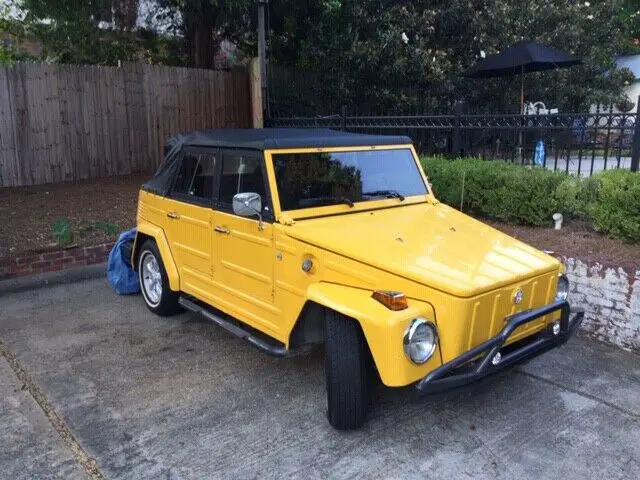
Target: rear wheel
pixel 160 299
pixel 348 369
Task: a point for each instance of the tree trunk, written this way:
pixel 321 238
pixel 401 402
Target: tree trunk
pixel 126 14
pixel 199 32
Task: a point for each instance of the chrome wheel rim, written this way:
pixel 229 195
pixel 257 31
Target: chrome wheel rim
pixel 151 279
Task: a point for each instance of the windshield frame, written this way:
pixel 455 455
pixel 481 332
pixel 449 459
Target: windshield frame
pixel 359 206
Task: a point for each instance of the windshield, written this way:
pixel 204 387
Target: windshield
pixel 315 179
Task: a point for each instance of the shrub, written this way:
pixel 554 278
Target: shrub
pixel 617 210
pixel 609 200
pixel 575 195
pixel 498 190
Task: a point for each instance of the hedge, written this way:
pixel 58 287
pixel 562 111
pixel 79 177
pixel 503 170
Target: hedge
pixel 610 200
pixel 617 209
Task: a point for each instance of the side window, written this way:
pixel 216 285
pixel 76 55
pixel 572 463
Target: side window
pixel 196 175
pixel 242 172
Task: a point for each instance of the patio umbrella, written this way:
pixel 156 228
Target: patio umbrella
pixel 522 58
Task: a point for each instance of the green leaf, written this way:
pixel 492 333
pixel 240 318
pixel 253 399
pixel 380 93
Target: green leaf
pixel 61 232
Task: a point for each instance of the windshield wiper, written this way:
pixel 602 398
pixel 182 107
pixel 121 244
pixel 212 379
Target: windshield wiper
pixel 385 193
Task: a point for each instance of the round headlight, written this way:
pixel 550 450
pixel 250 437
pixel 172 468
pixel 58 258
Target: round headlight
pixel 420 340
pixel 563 288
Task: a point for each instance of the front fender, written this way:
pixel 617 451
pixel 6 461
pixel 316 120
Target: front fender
pixel 158 235
pixel 383 329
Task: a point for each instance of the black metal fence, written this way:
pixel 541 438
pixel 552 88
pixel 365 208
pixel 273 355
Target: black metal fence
pixel 581 144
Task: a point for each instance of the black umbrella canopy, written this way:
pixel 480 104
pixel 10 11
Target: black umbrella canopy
pixel 521 58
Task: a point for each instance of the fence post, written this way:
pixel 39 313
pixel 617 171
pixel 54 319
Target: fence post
pixel 343 118
pixel 457 143
pixel 635 149
pixel 255 79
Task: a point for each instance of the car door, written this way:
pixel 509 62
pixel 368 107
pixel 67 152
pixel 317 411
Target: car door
pixel 245 245
pixel 189 208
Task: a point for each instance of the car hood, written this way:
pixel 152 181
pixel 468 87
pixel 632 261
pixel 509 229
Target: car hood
pixel 432 244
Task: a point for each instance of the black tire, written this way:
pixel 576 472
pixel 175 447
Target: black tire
pixel 348 368
pixel 166 303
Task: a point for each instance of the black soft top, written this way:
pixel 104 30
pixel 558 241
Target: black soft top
pixel 267 138
pixel 259 139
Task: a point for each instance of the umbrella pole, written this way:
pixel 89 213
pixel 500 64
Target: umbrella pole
pixel 521 90
pixel 520 151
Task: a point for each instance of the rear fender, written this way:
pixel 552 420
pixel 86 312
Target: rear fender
pixel 146 229
pixel 383 329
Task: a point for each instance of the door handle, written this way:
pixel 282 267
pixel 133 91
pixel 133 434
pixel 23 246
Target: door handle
pixel 173 215
pixel 220 229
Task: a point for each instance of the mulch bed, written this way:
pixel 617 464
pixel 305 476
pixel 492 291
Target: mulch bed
pixel 579 240
pixel 28 214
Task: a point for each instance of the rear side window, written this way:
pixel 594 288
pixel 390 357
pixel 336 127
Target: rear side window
pixel 196 176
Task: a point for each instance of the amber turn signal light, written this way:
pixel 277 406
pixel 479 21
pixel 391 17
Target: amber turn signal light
pixel 390 299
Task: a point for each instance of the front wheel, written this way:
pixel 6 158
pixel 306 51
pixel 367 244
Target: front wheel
pixel 348 369
pixel 160 299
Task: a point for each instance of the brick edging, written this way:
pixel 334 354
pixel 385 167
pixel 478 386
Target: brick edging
pixel 53 261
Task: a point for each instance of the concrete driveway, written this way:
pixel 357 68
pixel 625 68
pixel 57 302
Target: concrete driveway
pixel 178 398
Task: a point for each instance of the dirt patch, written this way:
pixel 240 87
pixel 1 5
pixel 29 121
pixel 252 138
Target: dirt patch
pixel 84 213
pixel 97 210
pixel 577 239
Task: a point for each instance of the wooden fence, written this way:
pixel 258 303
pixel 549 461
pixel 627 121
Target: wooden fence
pixel 64 123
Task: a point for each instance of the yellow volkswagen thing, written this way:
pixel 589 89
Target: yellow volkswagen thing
pixel 294 237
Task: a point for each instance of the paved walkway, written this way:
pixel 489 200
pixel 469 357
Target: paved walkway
pixel 29 445
pixel 178 398
pixel 584 163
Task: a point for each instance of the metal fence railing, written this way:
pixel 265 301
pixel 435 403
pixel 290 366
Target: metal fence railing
pixel 581 144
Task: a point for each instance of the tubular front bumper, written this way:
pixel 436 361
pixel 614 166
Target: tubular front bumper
pixel 477 362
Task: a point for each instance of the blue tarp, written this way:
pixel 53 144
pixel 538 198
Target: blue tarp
pixel 119 272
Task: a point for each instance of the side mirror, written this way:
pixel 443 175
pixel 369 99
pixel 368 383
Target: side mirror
pixel 248 204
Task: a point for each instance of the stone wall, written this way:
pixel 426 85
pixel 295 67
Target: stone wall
pixel 611 299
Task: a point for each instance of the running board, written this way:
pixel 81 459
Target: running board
pixel 253 338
